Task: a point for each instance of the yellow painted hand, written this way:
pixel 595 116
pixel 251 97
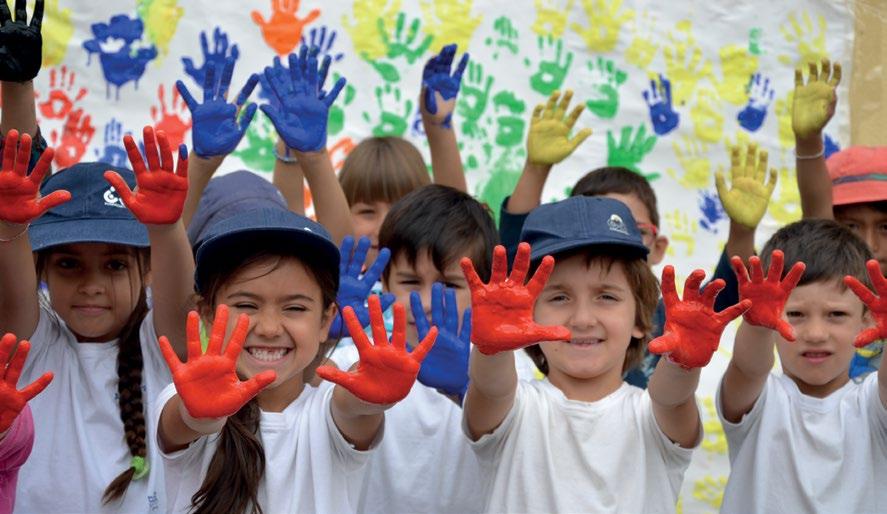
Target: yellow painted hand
pixel 814 102
pixel 363 25
pixel 605 20
pixel 737 66
pixel 161 18
pixel 548 141
pixel 708 115
pixel 57 31
pixel 693 158
pixel 810 44
pixel 684 63
pixel 747 198
pixel 551 17
pixel 450 21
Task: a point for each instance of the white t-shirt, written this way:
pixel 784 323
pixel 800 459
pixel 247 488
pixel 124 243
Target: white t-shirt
pixel 552 454
pixel 797 453
pixel 309 466
pixel 79 445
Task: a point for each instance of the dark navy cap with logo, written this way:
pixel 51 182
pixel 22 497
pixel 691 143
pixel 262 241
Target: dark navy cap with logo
pixel 253 230
pixel 95 213
pixel 581 221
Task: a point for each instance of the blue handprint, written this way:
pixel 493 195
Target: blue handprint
pixel 219 55
pixel 216 131
pixel 446 366
pixel 323 39
pixel 830 146
pixel 760 94
pixel 121 61
pixel 658 98
pixel 712 211
pixel 436 78
pixel 354 289
pixel 302 106
pixel 113 154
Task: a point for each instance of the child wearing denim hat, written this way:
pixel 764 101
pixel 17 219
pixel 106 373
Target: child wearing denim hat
pixel 97 246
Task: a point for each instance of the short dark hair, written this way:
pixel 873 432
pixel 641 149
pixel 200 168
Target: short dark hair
pixel 616 179
pixel 829 250
pixel 443 221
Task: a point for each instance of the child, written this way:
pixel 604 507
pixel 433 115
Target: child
pixel 94 329
pixel 798 440
pixel 296 447
pixel 582 440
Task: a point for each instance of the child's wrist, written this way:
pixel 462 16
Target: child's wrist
pixel 205 426
pixel 810 146
pixel 11 231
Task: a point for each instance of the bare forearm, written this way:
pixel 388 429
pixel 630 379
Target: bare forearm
pixel 446 162
pixel 19 307
pixel 671 385
pixel 814 184
pixel 740 241
pixel 19 111
pixel 527 193
pixel 330 204
pixel 290 181
pixel 491 391
pixel 747 371
pixel 357 420
pixel 200 172
pixel 172 270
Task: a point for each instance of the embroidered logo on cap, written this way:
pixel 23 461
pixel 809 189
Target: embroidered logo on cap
pixel 616 224
pixel 112 199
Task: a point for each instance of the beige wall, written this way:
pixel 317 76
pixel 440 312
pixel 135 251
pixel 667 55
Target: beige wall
pixel 868 87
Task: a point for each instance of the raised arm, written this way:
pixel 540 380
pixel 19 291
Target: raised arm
pixel 437 101
pixel 877 305
pixel 21 46
pixel 288 178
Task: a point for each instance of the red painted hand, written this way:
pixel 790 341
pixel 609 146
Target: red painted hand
pixel 20 200
pixel 877 305
pixel 12 401
pixel 768 296
pixel 207 383
pixel 502 311
pixel 386 371
pixel 692 327
pixel 284 30
pixel 160 196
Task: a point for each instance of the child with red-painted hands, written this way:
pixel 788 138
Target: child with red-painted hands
pixel 585 316
pixel 808 439
pixel 241 428
pixel 77 257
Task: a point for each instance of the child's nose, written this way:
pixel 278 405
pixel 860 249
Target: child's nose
pixel 91 283
pixel 583 316
pixel 267 324
pixel 815 331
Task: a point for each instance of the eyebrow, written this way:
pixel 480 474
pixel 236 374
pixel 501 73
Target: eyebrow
pixel 288 298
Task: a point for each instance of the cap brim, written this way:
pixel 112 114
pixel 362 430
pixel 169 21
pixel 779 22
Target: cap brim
pixel 859 192
pixel 69 231
pixel 561 246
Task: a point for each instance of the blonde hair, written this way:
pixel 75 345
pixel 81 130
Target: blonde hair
pixel 382 169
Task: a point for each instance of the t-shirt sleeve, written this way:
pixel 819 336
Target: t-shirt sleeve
pixel 489 447
pixel 737 432
pixel 510 226
pixel 349 457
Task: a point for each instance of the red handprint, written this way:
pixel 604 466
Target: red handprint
pixel 284 30
pixel 767 297
pixel 207 383
pixel 502 311
pixel 692 327
pixel 877 304
pixel 20 200
pixel 386 371
pixel 62 96
pixel 173 119
pixel 75 137
pixel 12 401
pixel 160 196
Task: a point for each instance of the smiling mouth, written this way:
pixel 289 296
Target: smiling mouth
pixel 816 356
pixel 268 354
pixel 586 342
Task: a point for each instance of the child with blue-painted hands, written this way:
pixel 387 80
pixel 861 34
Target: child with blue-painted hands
pixel 355 286
pixel 445 368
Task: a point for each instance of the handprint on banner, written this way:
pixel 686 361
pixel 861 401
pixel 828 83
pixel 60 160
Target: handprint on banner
pixel 336 121
pixel 552 71
pixel 606 79
pixel 57 31
pixel 629 152
pixel 760 96
pixel 605 20
pixel 394 112
pixel 257 148
pixel 338 152
pixel 707 115
pixel 737 68
pixel 783 111
pixel 830 146
pixel 161 19
pixel 473 100
pixel 659 101
pixel 283 30
pixel 684 63
pixel 710 490
pixel 323 38
pixel 500 184
pixel 711 211
pixel 551 17
pixel 785 207
pixel 63 95
pixel 693 156
pixel 681 233
pixel 398 44
pixel 754 41
pixel 714 440
pixel 121 54
pixel 642 49
pixel 71 143
pixel 217 56
pixel 450 22
pixel 172 118
pixel 808 42
pixel 506 37
pixel 113 153
pixel 363 25
pixel 510 124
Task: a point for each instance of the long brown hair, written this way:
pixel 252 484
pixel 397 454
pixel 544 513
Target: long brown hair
pixel 237 467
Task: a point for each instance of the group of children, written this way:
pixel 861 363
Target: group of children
pixel 196 344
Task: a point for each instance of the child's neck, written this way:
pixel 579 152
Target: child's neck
pixel 819 391
pixel 586 389
pixel 276 399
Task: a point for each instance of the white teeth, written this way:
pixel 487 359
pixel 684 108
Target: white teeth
pixel 267 355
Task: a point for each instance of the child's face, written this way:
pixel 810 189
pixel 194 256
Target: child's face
pixel 404 279
pixel 826 317
pixel 287 321
pixel 94 287
pixel 598 307
pixel 367 219
pixel 655 242
pixel 870 225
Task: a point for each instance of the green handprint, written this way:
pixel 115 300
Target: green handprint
pixel 391 123
pixel 337 112
pixel 605 82
pixel 400 45
pixel 511 125
pixel 551 73
pixel 630 153
pixel 473 101
pixel 257 148
pixel 754 41
pixel 506 37
pixel 504 176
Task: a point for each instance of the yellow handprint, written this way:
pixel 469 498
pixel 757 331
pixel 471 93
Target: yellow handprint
pixel 786 207
pixel 684 64
pixel 682 232
pixel 708 115
pixel 746 201
pixel 737 67
pixel 714 440
pixel 710 490
pixel 57 31
pixel 605 20
pixel 642 49
pixel 783 110
pixel 551 17
pixel 810 45
pixel 814 102
pixel 363 25
pixel 161 19
pixel 694 160
pixel 450 21
pixel 548 141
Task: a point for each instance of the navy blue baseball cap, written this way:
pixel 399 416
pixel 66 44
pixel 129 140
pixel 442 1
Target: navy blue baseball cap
pixel 581 221
pixel 228 195
pixel 250 231
pixel 95 213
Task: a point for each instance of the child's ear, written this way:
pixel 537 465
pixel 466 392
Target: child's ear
pixel 657 252
pixel 637 333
